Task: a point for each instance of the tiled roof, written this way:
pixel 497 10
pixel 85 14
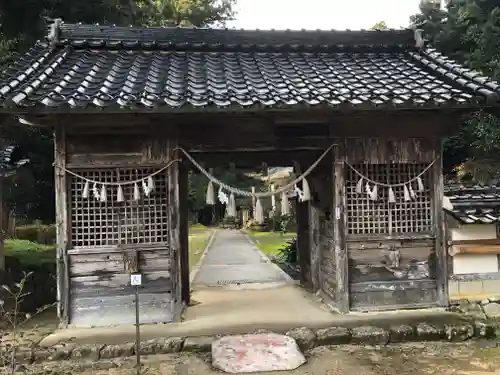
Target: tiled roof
pixel 164 69
pixel 474 204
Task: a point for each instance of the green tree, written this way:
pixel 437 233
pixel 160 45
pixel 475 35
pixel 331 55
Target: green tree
pixel 381 25
pixel 184 12
pixel 22 22
pixel 469 32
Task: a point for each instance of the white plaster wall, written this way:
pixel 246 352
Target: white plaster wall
pixel 474 263
pixel 474 232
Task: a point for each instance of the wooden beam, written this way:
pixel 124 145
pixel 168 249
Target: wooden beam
pixel 339 231
pixel 474 249
pixel 488 241
pixel 439 225
pixel 62 225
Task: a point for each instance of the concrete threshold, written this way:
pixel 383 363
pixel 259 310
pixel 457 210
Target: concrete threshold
pixel 223 311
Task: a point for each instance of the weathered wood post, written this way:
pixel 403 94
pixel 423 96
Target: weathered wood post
pixel 439 225
pixel 302 218
pixel 62 223
pixel 314 245
pixel 174 226
pixel 184 231
pixel 339 232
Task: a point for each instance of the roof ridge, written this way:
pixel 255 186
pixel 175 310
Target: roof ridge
pixel 60 31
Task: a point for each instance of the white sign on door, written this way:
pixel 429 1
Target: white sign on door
pixel 136 279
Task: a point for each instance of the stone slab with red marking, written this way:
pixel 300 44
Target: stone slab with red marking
pixel 256 353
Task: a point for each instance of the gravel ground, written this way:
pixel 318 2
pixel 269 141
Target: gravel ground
pixel 474 358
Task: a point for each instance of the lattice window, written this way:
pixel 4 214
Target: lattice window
pixel 95 223
pixel 365 216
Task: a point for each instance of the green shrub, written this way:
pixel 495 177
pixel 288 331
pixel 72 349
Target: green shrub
pixel 281 223
pixel 288 253
pixel 39 233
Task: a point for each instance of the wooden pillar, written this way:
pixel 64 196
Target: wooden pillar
pixel 273 199
pixel 62 225
pixel 339 230
pixel 254 202
pixel 439 225
pixel 314 246
pixel 184 232
pixel 173 203
pixel 303 255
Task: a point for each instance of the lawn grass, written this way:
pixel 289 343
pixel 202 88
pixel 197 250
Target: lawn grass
pixel 199 236
pixel 30 253
pixel 270 243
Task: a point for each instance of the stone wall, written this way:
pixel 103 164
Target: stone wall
pixel 487 308
pixel 41 284
pixel 473 289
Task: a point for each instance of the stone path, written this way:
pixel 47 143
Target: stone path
pixel 233 259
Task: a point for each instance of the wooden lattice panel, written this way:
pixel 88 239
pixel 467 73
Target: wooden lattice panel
pixel 365 216
pixel 95 223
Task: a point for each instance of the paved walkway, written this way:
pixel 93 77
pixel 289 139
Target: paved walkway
pixel 233 260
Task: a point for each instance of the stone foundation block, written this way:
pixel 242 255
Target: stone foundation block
pixel 429 332
pixel 459 331
pixel 368 335
pixel 90 352
pixel 333 336
pixel 304 337
pixel 114 351
pixel 402 333
pixel 201 344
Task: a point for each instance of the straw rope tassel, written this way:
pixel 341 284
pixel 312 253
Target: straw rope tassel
pixel 210 197
pixel 259 212
pixel 85 193
pixel 285 205
pixel 374 193
pixel 391 196
pixel 231 207
pixel 145 188
pixel 119 194
pixel 359 186
pixel 420 184
pixel 151 183
pixel 103 194
pixel 95 192
pixel 406 193
pixel 412 192
pixel 137 194
pixel 306 191
pixel 368 190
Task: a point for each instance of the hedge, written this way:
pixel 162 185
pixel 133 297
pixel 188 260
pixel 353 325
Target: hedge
pixel 40 233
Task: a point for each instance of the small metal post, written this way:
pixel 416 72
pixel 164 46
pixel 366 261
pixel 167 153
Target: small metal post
pixel 136 280
pixel 137 332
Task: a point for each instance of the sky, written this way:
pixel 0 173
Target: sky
pixel 322 14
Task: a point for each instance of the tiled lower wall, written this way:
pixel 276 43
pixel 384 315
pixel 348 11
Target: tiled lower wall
pixel 473 289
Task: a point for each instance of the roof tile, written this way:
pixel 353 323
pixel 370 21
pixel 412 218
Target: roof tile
pixel 177 68
pixel 474 204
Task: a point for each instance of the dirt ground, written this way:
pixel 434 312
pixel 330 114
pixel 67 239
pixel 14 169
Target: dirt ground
pixel 475 358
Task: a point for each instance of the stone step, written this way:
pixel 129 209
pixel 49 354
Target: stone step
pixel 306 339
